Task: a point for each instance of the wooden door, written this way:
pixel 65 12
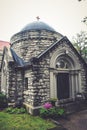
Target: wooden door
pixel 63 85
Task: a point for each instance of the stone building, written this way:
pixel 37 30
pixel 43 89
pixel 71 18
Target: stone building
pixel 0 64
pixel 2 45
pixel 41 64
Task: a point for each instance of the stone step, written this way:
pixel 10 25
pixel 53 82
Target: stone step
pixel 74 106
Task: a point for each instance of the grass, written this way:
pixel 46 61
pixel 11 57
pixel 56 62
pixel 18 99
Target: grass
pixel 23 122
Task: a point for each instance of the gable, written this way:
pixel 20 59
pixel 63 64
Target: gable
pixel 66 47
pixel 6 56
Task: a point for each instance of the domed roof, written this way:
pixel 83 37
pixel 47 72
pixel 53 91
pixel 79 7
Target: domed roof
pixel 38 25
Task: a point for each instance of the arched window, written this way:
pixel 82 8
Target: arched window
pixel 63 62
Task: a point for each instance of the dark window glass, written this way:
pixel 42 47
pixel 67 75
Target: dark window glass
pixel 26 83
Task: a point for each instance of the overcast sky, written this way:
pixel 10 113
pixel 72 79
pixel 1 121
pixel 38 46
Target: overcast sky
pixel 63 15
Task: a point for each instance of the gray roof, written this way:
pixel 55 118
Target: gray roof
pixel 38 25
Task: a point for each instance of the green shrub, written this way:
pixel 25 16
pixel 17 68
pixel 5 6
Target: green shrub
pixel 9 109
pixel 60 111
pixel 52 112
pixel 44 112
pixel 23 110
pixel 3 101
pixel 12 110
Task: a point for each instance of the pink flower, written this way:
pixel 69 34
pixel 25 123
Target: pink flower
pixel 47 105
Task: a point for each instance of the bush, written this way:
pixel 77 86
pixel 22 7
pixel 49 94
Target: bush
pixel 44 112
pixel 3 101
pixel 52 112
pixel 60 111
pixel 16 110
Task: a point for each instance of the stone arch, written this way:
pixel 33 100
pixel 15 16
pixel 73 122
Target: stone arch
pixel 73 71
pixel 69 54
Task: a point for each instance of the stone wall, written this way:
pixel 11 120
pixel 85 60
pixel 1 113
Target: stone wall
pixel 38 83
pixel 30 44
pixel 15 84
pixel 41 82
pixel 11 84
pixel 29 93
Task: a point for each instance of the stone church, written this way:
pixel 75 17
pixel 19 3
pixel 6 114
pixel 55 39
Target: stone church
pixel 41 64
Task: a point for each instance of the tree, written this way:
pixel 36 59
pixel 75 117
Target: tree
pixel 85 20
pixel 81 40
pixel 80 43
pixel 80 0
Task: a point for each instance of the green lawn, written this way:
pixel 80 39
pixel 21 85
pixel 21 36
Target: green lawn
pixel 23 122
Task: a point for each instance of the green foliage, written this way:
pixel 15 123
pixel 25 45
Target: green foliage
pixel 52 112
pixel 85 20
pixel 12 110
pixel 60 111
pixel 23 122
pixel 3 101
pixel 80 0
pixel 80 43
pixel 44 112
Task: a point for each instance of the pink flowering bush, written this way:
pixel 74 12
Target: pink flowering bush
pixel 47 105
pixel 49 111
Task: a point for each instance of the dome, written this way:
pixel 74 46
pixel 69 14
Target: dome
pixel 38 25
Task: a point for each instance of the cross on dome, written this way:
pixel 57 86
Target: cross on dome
pixel 38 18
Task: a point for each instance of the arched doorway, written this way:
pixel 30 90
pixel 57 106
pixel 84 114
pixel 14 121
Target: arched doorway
pixel 64 75
pixel 63 65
